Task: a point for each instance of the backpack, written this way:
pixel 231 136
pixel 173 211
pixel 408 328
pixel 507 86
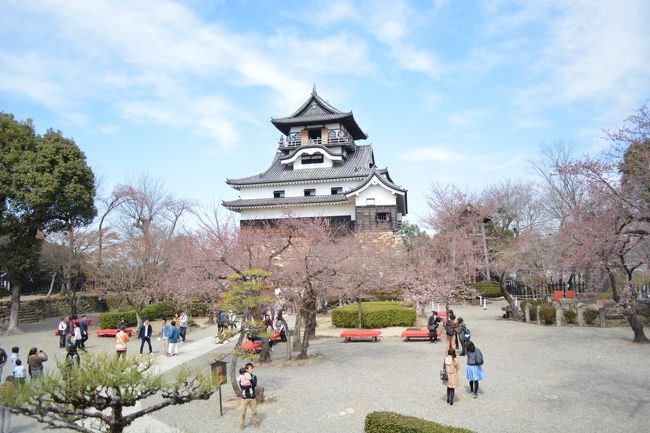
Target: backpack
pixel 466 334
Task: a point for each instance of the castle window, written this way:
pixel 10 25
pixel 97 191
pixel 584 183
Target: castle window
pixel 383 216
pixel 314 134
pixel 278 194
pixel 316 158
pixel 337 190
pixel 309 192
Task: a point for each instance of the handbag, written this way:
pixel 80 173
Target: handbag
pixel 443 375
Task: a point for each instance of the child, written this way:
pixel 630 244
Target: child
pixel 13 358
pixel 20 372
pixel 244 378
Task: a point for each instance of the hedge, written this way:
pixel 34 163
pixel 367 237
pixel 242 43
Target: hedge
pixel 150 312
pixel 488 289
pixel 391 422
pixel 374 315
pixel 111 319
pixel 547 314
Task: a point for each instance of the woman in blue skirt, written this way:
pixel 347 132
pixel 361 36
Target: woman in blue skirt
pixel 474 367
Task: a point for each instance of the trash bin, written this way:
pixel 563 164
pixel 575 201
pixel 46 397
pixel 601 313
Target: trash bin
pixel 219 372
pixel 100 305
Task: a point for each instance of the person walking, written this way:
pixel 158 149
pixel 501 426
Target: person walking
pixel 474 367
pixel 463 335
pixel 450 365
pixel 451 327
pixel 248 397
pixel 432 326
pixel 183 321
pixel 144 334
pixel 63 326
pixel 164 336
pixel 174 336
pixel 83 327
pixel 35 360
pixel 121 340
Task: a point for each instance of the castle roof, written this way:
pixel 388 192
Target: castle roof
pixel 317 111
pixel 286 201
pixel 358 165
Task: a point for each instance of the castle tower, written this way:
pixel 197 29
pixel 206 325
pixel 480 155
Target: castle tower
pixel 320 171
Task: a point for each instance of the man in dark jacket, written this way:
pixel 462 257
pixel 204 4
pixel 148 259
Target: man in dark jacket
pixel 144 334
pixel 248 399
pixel 432 326
pixel 3 360
pixel 83 327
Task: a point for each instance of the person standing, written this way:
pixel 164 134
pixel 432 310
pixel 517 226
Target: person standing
pixel 451 327
pixel 248 398
pixel 164 336
pixel 63 326
pixel 174 336
pixel 83 327
pixel 35 360
pixel 20 372
pixel 432 326
pixel 450 365
pixel 183 321
pixel 13 358
pixel 121 340
pixel 3 360
pixel 463 335
pixel 474 367
pixel 144 334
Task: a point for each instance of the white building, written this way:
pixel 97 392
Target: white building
pixel 320 171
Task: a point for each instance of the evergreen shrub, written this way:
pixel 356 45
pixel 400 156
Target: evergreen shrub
pixel 532 307
pixel 547 314
pixel 488 289
pixel 590 315
pixel 111 319
pixel 391 422
pixel 570 316
pixel 158 311
pixel 374 315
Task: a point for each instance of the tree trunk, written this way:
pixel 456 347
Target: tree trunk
pixel 288 334
pixel 310 323
pixel 233 365
pixel 211 314
pixel 296 333
pixel 359 314
pixel 511 301
pixel 117 422
pixel 265 353
pixel 13 328
pixel 635 324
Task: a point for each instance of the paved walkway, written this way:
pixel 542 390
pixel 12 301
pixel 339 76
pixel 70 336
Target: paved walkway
pixel 538 379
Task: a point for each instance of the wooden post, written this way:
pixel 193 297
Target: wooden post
pixel 539 316
pixel 558 316
pixel 527 314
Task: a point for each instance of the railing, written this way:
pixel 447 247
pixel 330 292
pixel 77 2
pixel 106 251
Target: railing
pixel 297 142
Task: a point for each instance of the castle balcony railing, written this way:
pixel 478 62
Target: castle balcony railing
pixel 345 141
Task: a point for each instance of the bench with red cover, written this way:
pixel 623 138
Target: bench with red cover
pixel 256 346
pixel 409 333
pixel 112 332
pixel 361 334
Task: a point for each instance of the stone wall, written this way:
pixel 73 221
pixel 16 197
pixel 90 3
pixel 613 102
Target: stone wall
pixel 366 218
pixel 37 308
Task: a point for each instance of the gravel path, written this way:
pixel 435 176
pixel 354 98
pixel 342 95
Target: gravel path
pixel 538 379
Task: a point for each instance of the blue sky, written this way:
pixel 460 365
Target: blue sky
pixel 462 92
